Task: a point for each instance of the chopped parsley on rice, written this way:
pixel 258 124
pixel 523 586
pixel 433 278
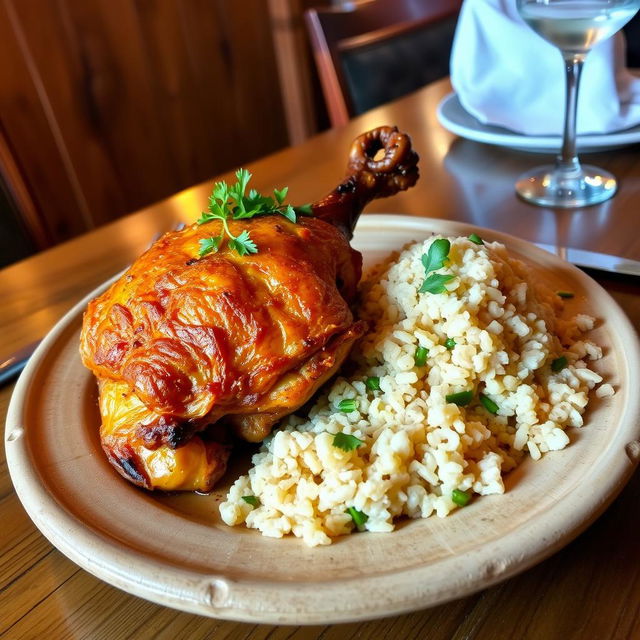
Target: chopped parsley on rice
pixel 425 440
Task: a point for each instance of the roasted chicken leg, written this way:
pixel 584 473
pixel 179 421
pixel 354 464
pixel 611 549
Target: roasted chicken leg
pixel 187 349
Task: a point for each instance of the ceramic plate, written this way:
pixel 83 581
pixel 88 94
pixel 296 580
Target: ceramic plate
pixel 453 116
pixel 175 550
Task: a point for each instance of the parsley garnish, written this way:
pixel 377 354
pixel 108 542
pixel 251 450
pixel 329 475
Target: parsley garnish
pixel 476 239
pixel 449 343
pixel 207 245
pixel 346 442
pixel 435 283
pixel 358 517
pixel 565 294
pixel 436 258
pixel 229 202
pixel 304 210
pixel 243 244
pixel 252 500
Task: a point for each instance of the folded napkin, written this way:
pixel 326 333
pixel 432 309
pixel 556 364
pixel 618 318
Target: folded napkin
pixel 505 74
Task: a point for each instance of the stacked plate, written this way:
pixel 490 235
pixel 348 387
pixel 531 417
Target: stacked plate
pixel 453 116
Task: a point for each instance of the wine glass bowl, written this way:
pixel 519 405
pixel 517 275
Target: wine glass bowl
pixel 574 26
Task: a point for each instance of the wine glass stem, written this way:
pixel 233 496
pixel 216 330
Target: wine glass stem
pixel 567 161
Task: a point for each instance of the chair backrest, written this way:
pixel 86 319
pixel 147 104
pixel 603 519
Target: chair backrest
pixel 632 32
pixel 373 52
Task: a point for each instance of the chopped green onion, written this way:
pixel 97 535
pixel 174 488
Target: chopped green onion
pixel 252 500
pixel 565 294
pixel 358 517
pixel 461 498
pixel 449 343
pixel 462 398
pixel 420 356
pixel 346 442
pixel 476 239
pixel 488 404
pixel 559 364
pixel 348 405
pixel 373 383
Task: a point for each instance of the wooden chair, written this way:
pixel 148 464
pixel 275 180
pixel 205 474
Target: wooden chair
pixel 373 52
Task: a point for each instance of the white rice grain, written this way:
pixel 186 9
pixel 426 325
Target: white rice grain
pixel 411 447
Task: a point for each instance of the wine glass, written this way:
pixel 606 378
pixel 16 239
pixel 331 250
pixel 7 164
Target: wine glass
pixel 574 26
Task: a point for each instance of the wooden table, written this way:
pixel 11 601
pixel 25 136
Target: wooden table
pixel 591 589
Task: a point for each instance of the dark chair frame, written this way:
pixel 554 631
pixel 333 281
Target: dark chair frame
pixel 334 31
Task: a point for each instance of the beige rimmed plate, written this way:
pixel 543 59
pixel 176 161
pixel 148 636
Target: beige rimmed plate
pixel 175 550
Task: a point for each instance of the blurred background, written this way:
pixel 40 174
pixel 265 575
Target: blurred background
pixel 107 106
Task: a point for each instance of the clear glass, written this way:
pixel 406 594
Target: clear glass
pixel 573 26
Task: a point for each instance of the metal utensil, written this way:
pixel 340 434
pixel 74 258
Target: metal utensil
pixel 593 259
pixel 11 366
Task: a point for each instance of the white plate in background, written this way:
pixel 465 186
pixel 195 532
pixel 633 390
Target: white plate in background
pixel 454 117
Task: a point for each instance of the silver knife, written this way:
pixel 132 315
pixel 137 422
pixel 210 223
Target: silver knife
pixel 593 259
pixel 12 365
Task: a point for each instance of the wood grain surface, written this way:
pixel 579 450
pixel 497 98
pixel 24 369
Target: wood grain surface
pixel 591 589
pixel 109 105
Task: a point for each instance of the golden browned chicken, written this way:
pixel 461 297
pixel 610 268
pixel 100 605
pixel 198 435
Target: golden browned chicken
pixel 198 338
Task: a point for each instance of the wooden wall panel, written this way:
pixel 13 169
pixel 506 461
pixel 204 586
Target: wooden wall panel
pixel 110 105
pixel 258 79
pixel 30 136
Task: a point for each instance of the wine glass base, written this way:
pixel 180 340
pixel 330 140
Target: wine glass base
pixel 549 187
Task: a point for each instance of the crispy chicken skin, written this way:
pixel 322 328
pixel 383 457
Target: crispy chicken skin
pixel 187 349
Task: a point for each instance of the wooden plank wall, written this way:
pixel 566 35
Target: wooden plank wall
pixel 110 105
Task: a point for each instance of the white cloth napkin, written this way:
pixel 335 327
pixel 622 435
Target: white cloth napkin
pixel 505 74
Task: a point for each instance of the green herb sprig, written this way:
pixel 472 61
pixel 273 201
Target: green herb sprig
pixel 436 258
pixel 346 441
pixel 230 202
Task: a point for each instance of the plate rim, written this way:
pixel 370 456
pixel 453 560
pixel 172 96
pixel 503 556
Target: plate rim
pixel 539 144
pixel 220 597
